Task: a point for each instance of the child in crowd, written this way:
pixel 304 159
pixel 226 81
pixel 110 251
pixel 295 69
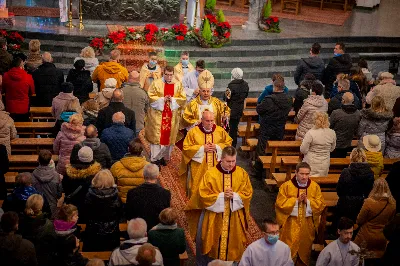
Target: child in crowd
pixel 66 221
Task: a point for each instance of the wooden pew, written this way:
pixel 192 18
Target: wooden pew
pixel 41 113
pixel 23 163
pixel 34 128
pixel 10 177
pixel 31 145
pixel 330 198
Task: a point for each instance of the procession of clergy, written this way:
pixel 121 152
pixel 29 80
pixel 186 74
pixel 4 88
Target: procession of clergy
pixel 219 191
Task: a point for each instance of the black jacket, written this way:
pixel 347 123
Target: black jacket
pixel 5 61
pixel 239 92
pixel 336 65
pixel 393 181
pixel 101 153
pixel 82 83
pixel 345 123
pixel 4 165
pixel 74 259
pixel 147 201
pixel 48 80
pixel 313 65
pixel 103 211
pixel 300 95
pixel 16 251
pixel 104 119
pixel 336 102
pixel 354 185
pixel 392 234
pixel 273 111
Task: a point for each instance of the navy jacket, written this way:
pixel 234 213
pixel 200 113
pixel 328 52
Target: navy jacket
pixel 117 138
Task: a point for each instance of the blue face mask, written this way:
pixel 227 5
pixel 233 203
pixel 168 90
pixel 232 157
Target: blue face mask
pixel 335 55
pixel 272 239
pixel 152 63
pixel 185 63
pixel 197 73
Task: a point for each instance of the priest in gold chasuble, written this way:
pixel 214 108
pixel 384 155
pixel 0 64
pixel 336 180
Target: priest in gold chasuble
pixel 224 195
pixel 298 209
pixel 149 72
pixel 162 121
pixel 202 150
pixel 193 110
pixel 183 67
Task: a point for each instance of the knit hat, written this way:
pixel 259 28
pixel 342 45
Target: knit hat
pixel 206 80
pixel 372 143
pixel 237 73
pixel 85 154
pixel 110 83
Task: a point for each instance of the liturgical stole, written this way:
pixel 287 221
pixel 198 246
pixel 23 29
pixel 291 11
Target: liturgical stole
pixel 166 115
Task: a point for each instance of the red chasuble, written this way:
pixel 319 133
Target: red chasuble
pixel 166 115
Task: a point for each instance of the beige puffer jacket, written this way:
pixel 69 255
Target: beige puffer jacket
pixel 7 130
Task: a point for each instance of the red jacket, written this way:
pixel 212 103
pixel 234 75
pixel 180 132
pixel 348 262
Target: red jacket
pixel 18 86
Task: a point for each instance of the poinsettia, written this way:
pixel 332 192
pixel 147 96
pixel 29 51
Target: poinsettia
pixel 211 18
pixel 117 36
pixel 180 29
pixel 131 30
pixel 151 28
pixel 3 33
pixel 180 38
pixel 97 43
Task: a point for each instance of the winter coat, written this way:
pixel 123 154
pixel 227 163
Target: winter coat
pixel 104 119
pixel 101 153
pixel 104 97
pixel 336 65
pixel 16 201
pixel 300 96
pixel 4 166
pixel 375 160
pixel 316 147
pixel 18 87
pixel 34 59
pixel 64 142
pixel 90 63
pixel 392 234
pixel 137 100
pixel 239 92
pixel 60 104
pixel 305 117
pixel 76 183
pixel 147 201
pixel 372 221
pixel 354 88
pixel 7 130
pixel 127 252
pixel 110 70
pixel 396 108
pixel 354 185
pixel 313 65
pixel 336 102
pixel 373 123
pixel 273 111
pixel 47 181
pixel 393 181
pixel 392 149
pixel 128 173
pixel 48 80
pixel 90 117
pixel 74 259
pixel 16 251
pixel 117 138
pixel 103 211
pixel 387 90
pixel 82 83
pixel 344 122
pixel 5 61
pixel 269 90
pixel 170 240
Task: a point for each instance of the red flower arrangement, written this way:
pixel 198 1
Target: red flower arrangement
pixel 272 24
pixel 97 43
pixel 117 36
pixel 14 40
pixel 180 30
pixel 150 31
pixel 3 33
pixel 211 18
pixel 16 36
pixel 131 30
pixel 223 29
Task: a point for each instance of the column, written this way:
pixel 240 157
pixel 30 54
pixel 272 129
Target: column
pixel 254 14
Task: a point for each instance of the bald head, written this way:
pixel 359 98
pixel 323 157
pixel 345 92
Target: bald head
pixel 207 120
pixel 47 58
pixel 146 254
pixel 119 118
pixel 91 132
pixel 133 76
pixel 348 98
pixel 118 95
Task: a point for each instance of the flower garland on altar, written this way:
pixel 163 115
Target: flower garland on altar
pixel 268 23
pixel 14 40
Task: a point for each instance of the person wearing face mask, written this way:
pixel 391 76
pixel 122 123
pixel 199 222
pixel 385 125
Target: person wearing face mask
pixel 192 114
pixel 338 251
pixel 298 209
pixel 269 250
pixel 190 80
pixel 184 67
pixel 224 194
pixel 149 72
pixel 202 149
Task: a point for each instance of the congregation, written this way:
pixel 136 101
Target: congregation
pixel 97 188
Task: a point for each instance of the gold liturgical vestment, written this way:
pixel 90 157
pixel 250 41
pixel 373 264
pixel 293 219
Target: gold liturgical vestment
pixel 298 232
pixel 195 107
pixel 144 77
pixel 179 73
pixel 196 162
pixel 223 234
pixel 154 115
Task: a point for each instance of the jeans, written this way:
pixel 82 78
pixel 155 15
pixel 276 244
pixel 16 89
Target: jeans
pixel 233 130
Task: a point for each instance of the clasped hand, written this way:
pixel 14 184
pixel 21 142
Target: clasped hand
pixel 303 198
pixel 167 98
pixel 210 147
pixel 228 194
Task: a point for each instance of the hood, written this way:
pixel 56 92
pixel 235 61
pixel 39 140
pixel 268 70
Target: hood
pixel 343 59
pixel 63 227
pixel 4 118
pixel 23 193
pixel 10 242
pixel 66 115
pixel 16 74
pixel 360 170
pixel 349 108
pixel 281 99
pixel 111 67
pixel 66 96
pixel 44 174
pixel 89 62
pixel 387 81
pixel 82 173
pixel 108 92
pixel 314 62
pixel 373 157
pixel 128 249
pixel 72 132
pixel 133 163
pixel 372 115
pixel 103 194
pixel 93 143
pixel 316 100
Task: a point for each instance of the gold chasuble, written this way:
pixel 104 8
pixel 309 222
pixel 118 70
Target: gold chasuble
pixel 195 108
pixel 299 221
pixel 162 120
pixel 195 162
pixel 223 232
pixel 144 78
pixel 179 73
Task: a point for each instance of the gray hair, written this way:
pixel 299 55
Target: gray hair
pixel 151 171
pixel 118 117
pixel 47 58
pixel 216 263
pixel 137 228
